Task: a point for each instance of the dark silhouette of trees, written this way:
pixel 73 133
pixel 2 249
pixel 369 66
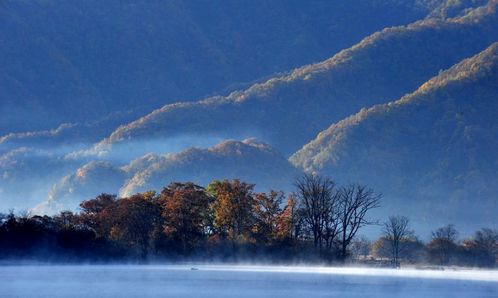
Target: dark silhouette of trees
pixel 333 216
pixel 443 245
pixel 317 199
pixel 482 248
pixel 228 221
pixel 395 231
pixel 413 250
pixel 354 203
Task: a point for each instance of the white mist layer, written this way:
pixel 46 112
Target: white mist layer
pixel 451 273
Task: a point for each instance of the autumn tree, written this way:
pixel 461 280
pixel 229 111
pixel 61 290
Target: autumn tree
pixel 267 210
pixel 134 219
pixel 232 208
pixel 98 204
pixel 94 216
pixel 186 213
pixel 288 222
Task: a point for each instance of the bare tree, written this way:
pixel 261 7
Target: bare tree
pixel 448 233
pixel 395 231
pixel 332 222
pixel 443 244
pixel 316 195
pixel 487 240
pixel 482 248
pixel 354 203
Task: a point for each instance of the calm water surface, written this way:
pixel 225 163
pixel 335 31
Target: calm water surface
pixel 239 281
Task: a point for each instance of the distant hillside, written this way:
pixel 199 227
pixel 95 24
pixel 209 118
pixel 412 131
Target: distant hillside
pixel 26 174
pixel 288 111
pixel 87 182
pixel 249 160
pixel 433 153
pixel 77 61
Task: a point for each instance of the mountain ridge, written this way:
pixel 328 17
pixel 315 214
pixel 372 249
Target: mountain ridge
pixel 433 152
pixel 243 103
pixel 92 58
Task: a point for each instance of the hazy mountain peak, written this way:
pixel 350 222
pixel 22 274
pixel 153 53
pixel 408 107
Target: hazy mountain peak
pixel 141 162
pixel 87 181
pixel 249 160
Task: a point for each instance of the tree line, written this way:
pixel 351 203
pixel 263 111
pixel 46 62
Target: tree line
pixel 229 221
pixel 399 243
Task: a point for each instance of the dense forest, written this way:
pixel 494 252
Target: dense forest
pixel 228 221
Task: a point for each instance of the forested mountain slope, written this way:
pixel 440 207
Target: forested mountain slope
pixel 78 61
pixel 433 153
pixel 288 111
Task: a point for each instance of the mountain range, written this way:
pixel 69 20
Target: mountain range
pixel 433 152
pixel 380 68
pixel 410 110
pixel 93 58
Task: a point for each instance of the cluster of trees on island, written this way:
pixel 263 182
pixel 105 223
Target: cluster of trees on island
pixel 229 221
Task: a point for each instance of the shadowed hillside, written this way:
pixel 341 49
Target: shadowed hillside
pixel 433 152
pixel 78 61
pixel 289 110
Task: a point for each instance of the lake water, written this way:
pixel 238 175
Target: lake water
pixel 240 281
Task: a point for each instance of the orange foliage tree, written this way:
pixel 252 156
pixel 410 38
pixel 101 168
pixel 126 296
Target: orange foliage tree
pixel 186 212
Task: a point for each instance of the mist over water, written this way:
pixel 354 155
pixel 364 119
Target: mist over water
pixel 240 281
